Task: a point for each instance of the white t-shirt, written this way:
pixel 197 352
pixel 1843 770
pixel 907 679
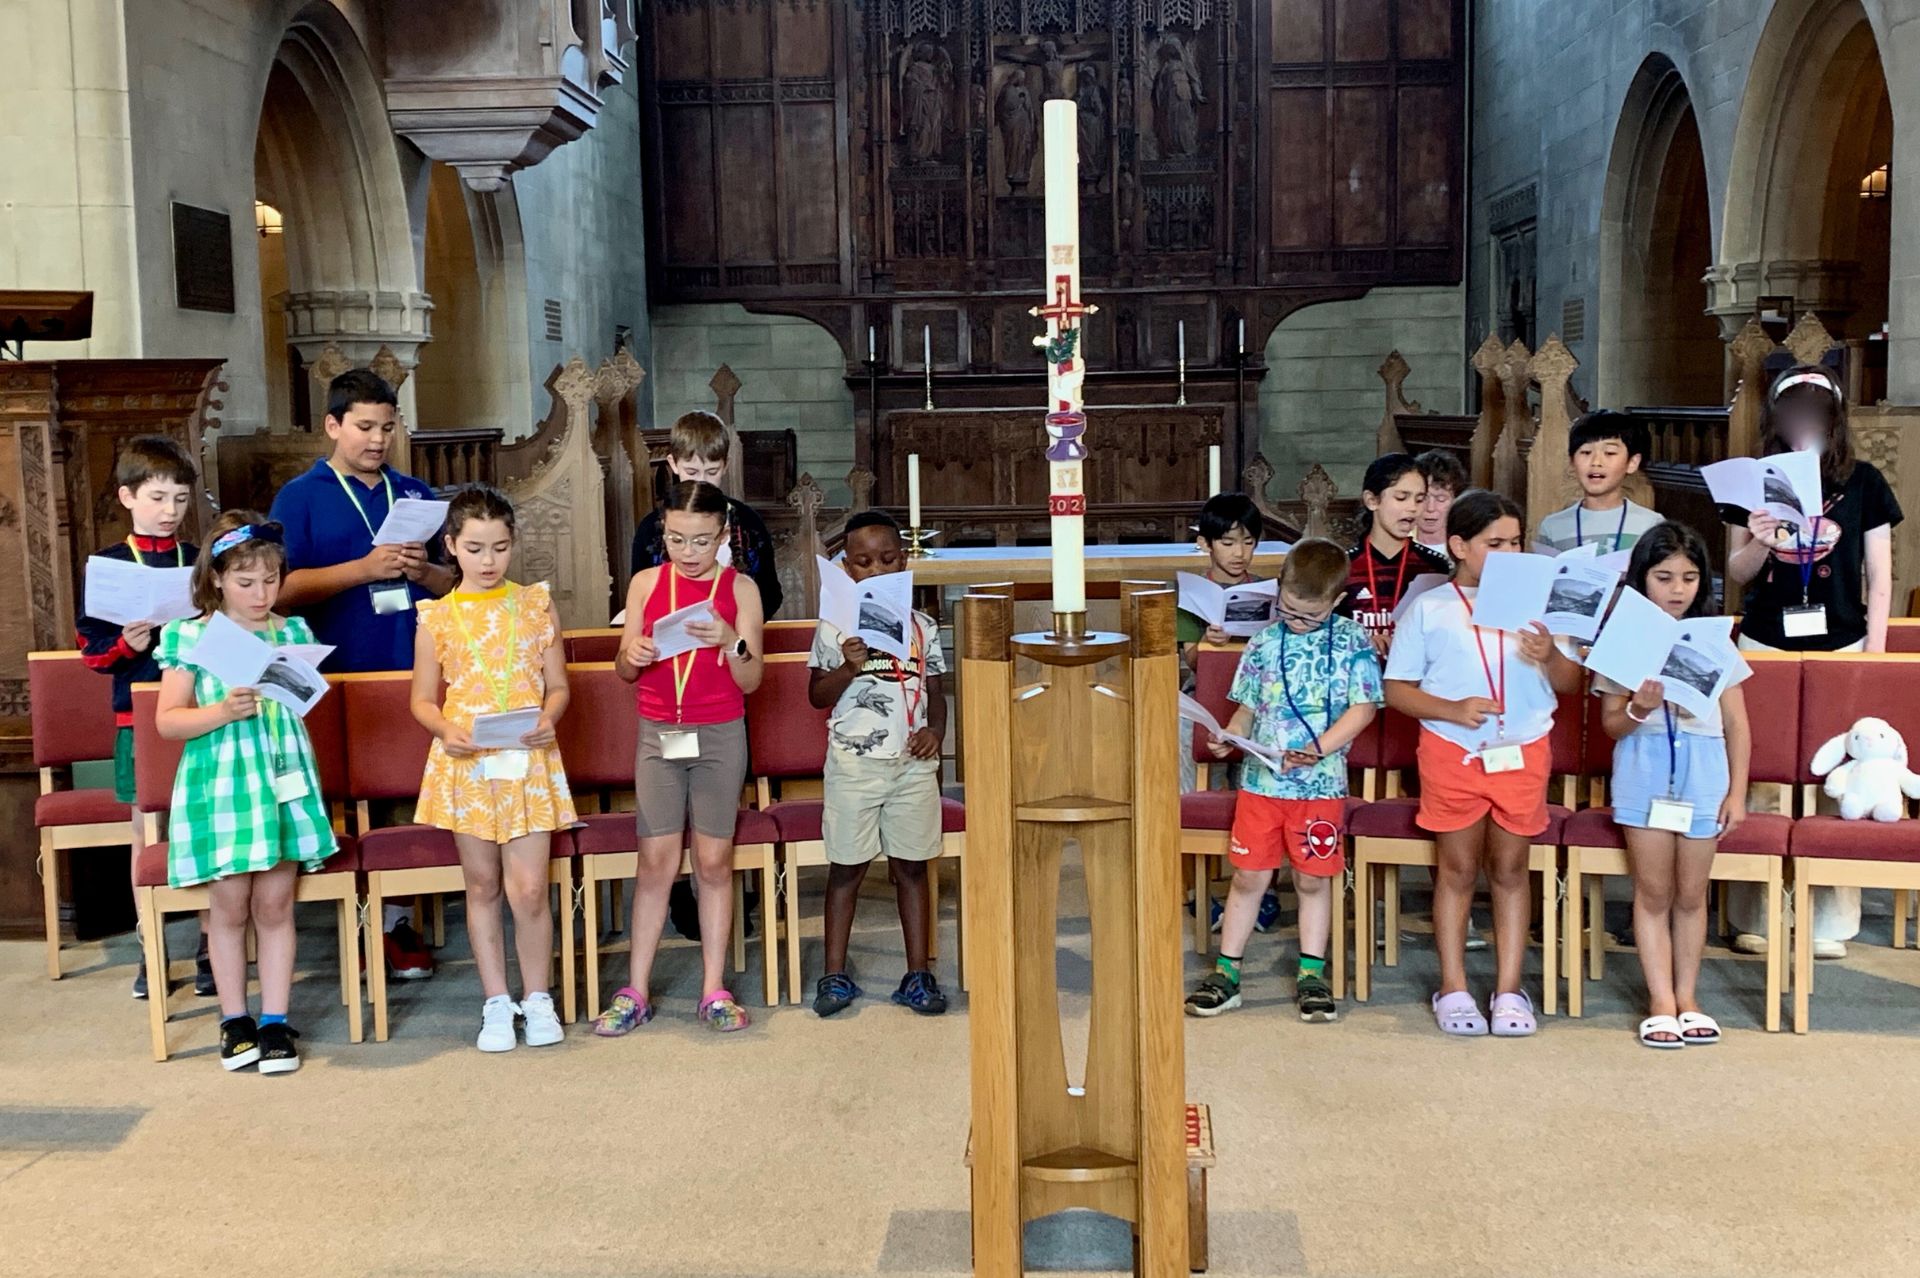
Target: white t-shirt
pixel 887 701
pixel 1434 647
pixel 1710 726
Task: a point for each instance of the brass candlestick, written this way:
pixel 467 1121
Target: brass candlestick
pixel 916 539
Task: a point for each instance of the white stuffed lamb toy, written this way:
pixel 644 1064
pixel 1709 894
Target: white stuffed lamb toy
pixel 1866 769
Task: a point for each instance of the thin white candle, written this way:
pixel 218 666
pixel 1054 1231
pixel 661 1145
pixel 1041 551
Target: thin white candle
pixel 1061 135
pixel 926 347
pixel 1213 469
pixel 1242 345
pixel 913 490
pixel 870 345
pixel 1183 341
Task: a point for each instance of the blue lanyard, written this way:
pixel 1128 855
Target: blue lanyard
pixel 1618 533
pixel 1805 557
pixel 1673 753
pixel 354 497
pixel 1286 689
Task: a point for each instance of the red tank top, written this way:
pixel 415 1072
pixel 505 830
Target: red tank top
pixel 695 687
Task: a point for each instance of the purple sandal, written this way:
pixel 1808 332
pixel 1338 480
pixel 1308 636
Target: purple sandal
pixel 1513 1015
pixel 1457 1014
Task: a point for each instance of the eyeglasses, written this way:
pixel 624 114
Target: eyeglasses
pixel 678 542
pixel 1304 618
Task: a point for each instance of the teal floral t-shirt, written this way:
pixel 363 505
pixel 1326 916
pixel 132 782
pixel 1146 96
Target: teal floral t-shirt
pixel 1327 671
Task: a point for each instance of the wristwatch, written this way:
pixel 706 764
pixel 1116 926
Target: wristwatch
pixel 740 650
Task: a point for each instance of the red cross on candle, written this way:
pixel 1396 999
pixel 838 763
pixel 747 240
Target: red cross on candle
pixel 1063 310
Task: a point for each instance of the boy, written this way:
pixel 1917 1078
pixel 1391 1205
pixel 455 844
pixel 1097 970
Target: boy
pixel 1605 447
pixel 882 788
pixel 697 449
pixel 154 477
pixel 1306 687
pixel 1229 533
pixel 1446 479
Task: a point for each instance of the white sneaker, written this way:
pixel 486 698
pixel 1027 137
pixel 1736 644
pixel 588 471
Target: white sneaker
pixel 543 1025
pixel 1829 949
pixel 496 1025
pixel 1750 943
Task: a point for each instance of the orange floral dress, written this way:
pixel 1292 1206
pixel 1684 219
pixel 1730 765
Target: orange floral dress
pixel 492 647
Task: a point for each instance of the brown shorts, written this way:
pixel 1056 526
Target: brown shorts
pixel 669 791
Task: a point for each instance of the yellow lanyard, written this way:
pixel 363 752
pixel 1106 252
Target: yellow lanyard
pixel 179 555
pixel 502 683
pixel 354 497
pixel 683 674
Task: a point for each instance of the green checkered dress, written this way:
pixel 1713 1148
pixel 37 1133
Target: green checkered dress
pixel 224 819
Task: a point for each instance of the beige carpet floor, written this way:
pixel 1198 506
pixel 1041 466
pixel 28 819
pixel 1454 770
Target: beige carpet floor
pixel 801 1147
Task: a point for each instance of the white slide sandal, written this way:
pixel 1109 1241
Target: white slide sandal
pixel 1661 1025
pixel 1698 1029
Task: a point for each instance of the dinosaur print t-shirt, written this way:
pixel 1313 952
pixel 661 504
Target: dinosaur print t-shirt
pixel 887 701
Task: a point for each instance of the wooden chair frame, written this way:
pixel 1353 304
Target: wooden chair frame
pixel 1810 872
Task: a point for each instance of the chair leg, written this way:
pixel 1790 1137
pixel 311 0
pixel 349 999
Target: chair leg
pixel 376 958
pixel 933 910
pixel 769 932
pixel 1363 931
pixel 1390 892
pixel 1900 908
pixel 1597 927
pixel 590 938
pixel 1720 909
pixel 960 922
pixel 569 975
pixel 439 920
pixel 1571 943
pixel 342 923
pixel 1337 889
pixel 153 942
pixel 793 933
pixel 350 962
pixel 1802 953
pixel 739 922
pixel 1549 942
pixel 50 899
pixel 1199 864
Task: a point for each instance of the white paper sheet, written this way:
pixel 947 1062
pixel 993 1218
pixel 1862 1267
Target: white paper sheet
pixel 503 731
pixel 1581 590
pixel 412 519
pixel 670 635
pixel 126 593
pixel 1784 485
pixel 1241 611
pixel 240 658
pixel 1194 712
pixel 1513 590
pixel 877 610
pixel 294 683
pixel 1693 659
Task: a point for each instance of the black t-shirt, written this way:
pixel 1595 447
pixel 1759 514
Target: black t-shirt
pixel 1376 583
pixel 752 548
pixel 1838 579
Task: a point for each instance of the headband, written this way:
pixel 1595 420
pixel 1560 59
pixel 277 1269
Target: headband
pixel 267 532
pixel 1821 380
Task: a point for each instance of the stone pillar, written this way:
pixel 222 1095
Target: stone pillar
pixel 336 330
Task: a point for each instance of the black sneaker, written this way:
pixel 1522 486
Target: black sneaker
pixel 921 993
pixel 278 1055
pixel 1214 995
pixel 683 910
pixel 1315 999
pixel 834 993
pixel 140 979
pixel 239 1043
pixel 203 972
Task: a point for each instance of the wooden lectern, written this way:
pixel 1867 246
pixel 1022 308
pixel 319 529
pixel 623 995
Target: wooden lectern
pixel 1088 755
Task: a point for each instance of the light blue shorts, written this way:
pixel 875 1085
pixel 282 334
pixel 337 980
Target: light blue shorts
pixel 1699 777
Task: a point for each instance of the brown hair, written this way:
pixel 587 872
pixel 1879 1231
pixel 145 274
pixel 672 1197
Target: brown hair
pixel 150 457
pixel 696 497
pixel 1443 470
pixel 475 501
pixel 1315 569
pixel 263 546
pixel 1836 458
pixel 698 436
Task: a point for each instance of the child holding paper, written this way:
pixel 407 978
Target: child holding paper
pixel 246 809
pixel 1305 687
pixel 693 745
pixel 497 645
pixel 882 786
pixel 154 479
pixel 1603 447
pixel 1229 533
pixel 1485 699
pixel 1388 560
pixel 1679 783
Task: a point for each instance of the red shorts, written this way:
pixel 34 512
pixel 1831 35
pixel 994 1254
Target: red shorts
pixel 1454 795
pixel 1268 833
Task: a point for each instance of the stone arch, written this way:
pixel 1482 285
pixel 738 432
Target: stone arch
pixel 475 372
pixel 1657 344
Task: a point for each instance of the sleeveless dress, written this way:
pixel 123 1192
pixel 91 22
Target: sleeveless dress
pixel 482 638
pixel 224 819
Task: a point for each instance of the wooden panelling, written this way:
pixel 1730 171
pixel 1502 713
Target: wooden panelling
pixel 804 46
pixel 1359 30
pixel 1299 30
pixel 687 143
pixel 746 212
pixel 1426 29
pixel 1360 195
pixel 807 169
pixel 740 44
pixel 1429 164
pixel 1298 165
pixel 681 31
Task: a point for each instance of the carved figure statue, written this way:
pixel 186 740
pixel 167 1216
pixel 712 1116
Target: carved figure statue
pixel 1177 92
pixel 1013 114
pixel 1091 125
pixel 926 88
pixel 1053 62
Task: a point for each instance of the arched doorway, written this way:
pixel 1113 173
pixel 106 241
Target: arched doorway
pixel 1658 345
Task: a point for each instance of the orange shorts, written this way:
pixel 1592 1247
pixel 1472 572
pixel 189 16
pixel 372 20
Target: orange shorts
pixel 1268 833
pixel 1454 795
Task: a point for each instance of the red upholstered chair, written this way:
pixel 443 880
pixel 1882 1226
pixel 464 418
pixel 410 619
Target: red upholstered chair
pixel 1828 851
pixel 154 762
pixel 591 646
pixel 72 714
pixel 1903 635
pixel 1755 852
pixel 788 636
pixel 599 738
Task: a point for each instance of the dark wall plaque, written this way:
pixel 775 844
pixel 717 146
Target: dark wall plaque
pixel 202 259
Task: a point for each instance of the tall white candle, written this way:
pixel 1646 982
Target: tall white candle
pixel 1213 469
pixel 926 348
pixel 913 490
pixel 1242 344
pixel 870 345
pixel 1183 341
pixel 1061 136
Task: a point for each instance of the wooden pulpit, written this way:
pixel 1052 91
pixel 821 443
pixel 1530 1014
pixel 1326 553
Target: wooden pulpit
pixel 1085 756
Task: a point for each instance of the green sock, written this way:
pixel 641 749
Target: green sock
pixel 1228 967
pixel 1313 965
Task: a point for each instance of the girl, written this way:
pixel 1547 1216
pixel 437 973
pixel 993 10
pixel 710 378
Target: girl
pixel 1486 702
pixel 246 805
pixel 693 745
pixel 1829 591
pixel 1665 753
pixel 498 647
pixel 1387 559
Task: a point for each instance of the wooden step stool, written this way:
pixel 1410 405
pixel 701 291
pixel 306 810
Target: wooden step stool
pixel 1199 1157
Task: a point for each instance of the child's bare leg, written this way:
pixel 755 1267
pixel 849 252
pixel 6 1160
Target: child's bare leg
pixel 525 863
pixel 659 866
pixel 226 943
pixel 1316 913
pixel 1651 859
pixel 1692 878
pixel 273 928
pixel 713 874
pixel 910 891
pixel 1512 904
pixel 1243 908
pixel 1459 853
pixel 480 868
pixel 843 894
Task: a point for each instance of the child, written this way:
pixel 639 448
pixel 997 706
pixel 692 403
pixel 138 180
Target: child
pixel 154 478
pixel 1387 559
pixel 498 646
pixel 693 746
pixel 1306 687
pixel 1664 755
pixel 1446 478
pixel 246 807
pixel 883 773
pixel 697 452
pixel 1486 701
pixel 1604 448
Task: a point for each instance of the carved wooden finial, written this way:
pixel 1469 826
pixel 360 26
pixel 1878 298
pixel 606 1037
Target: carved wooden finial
pixel 1751 346
pixel 860 482
pixel 575 386
pixel 1552 363
pixel 617 377
pixel 1317 492
pixel 1255 478
pixel 1809 341
pixel 725 385
pixel 388 365
pixel 1394 373
pixel 1490 355
pixel 1550 482
pixel 807 497
pixel 1394 370
pixel 331 362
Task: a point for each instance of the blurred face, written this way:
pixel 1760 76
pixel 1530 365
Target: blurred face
pixel 483 548
pixel 1433 514
pixel 1603 466
pixel 361 438
pixel 1803 420
pixel 1303 613
pixel 1673 583
pixel 157 507
pixel 1471 554
pixel 689 469
pixel 874 550
pixel 693 541
pixel 248 591
pixel 1230 554
pixel 1397 510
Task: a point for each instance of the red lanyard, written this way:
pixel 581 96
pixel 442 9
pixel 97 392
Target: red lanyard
pixel 1373 585
pixel 1499 692
pixel 917 653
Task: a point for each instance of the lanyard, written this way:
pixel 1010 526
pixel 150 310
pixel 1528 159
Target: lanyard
pixel 1497 692
pixel 917 653
pixel 1373 586
pixel 502 682
pixel 179 555
pixel 683 674
pixel 354 497
pixel 270 714
pixel 1618 533
pixel 1805 557
pixel 1673 752
pixel 1286 689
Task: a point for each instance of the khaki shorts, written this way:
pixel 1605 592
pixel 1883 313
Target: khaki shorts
pixel 875 807
pixel 666 791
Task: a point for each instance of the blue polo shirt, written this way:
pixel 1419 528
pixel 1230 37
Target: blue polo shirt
pixel 324 528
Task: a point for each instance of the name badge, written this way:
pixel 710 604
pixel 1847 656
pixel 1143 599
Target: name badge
pixel 503 765
pixel 289 787
pixel 1503 758
pixel 1804 623
pixel 390 597
pixel 680 745
pixel 1672 815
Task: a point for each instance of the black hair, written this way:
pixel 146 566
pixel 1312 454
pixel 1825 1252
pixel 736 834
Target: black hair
pixel 1225 512
pixel 358 386
pixel 1388 469
pixel 1660 543
pixel 1812 384
pixel 871 519
pixel 1605 423
pixel 696 497
pixel 1475 509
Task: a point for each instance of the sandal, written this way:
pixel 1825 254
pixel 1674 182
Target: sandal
pixel 1667 1025
pixel 1697 1029
pixel 1512 1015
pixel 1457 1014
